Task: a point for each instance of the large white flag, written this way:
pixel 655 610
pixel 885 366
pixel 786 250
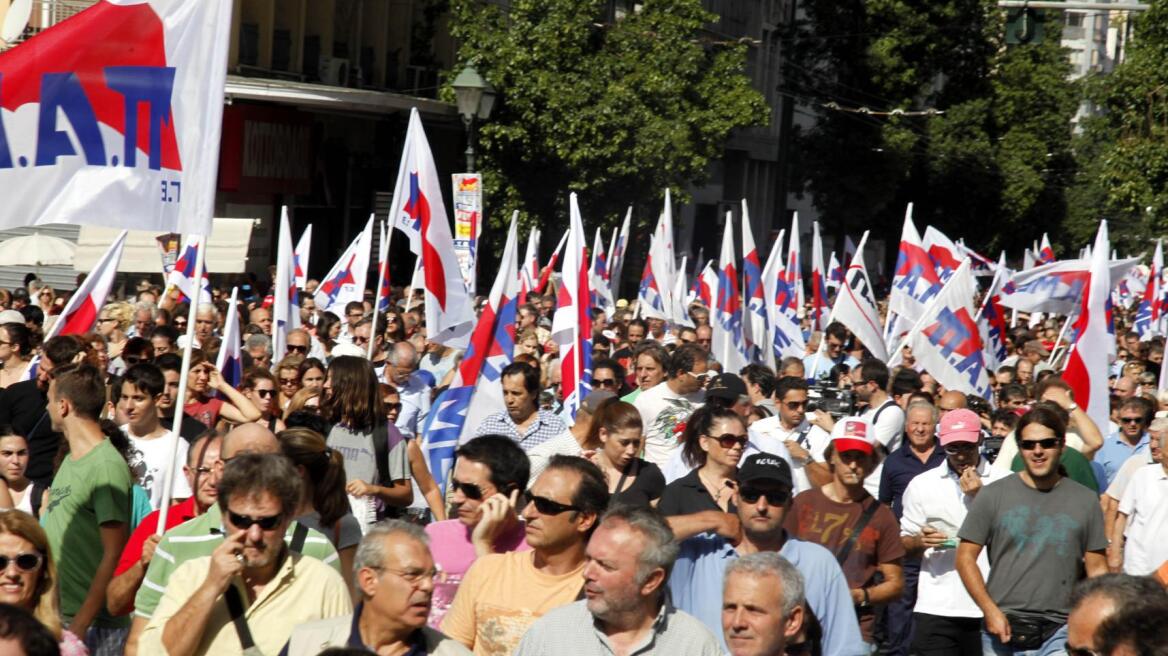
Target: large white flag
pixel 1087 362
pixel 855 306
pixel 346 281
pixel 113 117
pixel 285 305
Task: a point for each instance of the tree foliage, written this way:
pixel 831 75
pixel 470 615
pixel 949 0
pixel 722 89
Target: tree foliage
pixel 615 111
pixel 991 163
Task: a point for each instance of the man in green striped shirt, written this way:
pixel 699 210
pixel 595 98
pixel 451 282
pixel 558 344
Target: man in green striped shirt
pixel 198 537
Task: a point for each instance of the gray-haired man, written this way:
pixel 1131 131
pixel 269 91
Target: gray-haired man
pixel 762 604
pixel 395 573
pixel 626 610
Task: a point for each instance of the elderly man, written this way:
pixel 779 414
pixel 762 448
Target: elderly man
pixel 206 323
pixel 522 420
pixel 933 507
pixel 396 578
pixel 259 347
pixel 1139 539
pixel 252 573
pixel 626 609
pixel 1095 601
pixel 401 371
pixel 503 594
pixel 762 605
pixel 262 317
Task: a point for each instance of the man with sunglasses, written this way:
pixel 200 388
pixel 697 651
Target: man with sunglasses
pixel 252 588
pixel 608 375
pixel 672 401
pixel 789 435
pixel 934 507
pixel 490 472
pixel 503 594
pixel 1040 528
pixel 763 497
pixel 1134 416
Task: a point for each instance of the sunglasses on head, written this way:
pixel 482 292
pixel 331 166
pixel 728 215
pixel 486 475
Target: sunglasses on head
pixel 730 440
pixel 24 561
pixel 244 522
pixel 1047 443
pixel 546 506
pixel 773 497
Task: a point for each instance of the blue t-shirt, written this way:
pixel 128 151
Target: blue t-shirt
pixel 696 588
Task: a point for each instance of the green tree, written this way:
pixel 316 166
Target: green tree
pixel 614 111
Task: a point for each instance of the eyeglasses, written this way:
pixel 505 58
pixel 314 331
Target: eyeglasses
pixel 546 506
pixel 729 440
pixel 244 522
pixel 24 561
pixel 773 497
pixel 1131 420
pixel 265 394
pixel 1079 651
pixel 795 405
pixel 960 449
pixel 1047 443
pixel 604 382
pixel 469 490
pixel 413 577
pixel 297 348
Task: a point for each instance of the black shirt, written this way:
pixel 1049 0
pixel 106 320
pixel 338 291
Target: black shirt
pixel 900 467
pixel 647 486
pixel 688 495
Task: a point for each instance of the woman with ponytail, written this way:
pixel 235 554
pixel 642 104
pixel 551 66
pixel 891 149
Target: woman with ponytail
pixel 713 442
pixel 324 506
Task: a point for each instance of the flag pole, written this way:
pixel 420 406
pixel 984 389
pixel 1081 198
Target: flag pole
pixel 383 249
pixel 1058 340
pixel 181 397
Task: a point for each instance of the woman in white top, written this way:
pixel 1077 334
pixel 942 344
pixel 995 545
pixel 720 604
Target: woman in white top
pixel 17 490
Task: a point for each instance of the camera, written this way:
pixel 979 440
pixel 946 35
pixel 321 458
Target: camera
pixel 835 401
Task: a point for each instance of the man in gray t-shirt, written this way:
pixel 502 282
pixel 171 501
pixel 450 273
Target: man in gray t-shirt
pixel 1040 528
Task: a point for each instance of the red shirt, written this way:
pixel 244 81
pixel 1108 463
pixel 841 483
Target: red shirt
pixel 177 514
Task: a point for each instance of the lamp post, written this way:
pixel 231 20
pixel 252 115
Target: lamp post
pixel 476 98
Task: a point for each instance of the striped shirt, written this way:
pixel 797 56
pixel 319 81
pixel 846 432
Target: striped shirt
pixel 546 426
pixel 198 538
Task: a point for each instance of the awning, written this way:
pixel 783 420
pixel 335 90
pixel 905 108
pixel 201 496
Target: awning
pixel 322 96
pixel 226 249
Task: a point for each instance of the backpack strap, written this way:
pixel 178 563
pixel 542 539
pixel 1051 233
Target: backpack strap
pixel 381 452
pixel 235 607
pixel 299 536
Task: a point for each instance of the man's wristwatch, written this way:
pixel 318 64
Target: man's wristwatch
pixel 866 602
pixel 1072 407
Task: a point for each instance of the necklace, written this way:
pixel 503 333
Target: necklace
pixel 714 490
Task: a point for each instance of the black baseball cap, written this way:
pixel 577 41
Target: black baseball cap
pixel 765 468
pixel 727 386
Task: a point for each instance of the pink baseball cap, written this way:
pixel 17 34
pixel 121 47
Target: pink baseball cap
pixel 853 434
pixel 960 425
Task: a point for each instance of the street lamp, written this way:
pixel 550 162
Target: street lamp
pixel 476 98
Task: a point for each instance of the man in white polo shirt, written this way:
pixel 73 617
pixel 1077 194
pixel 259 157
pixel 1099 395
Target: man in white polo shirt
pixel 935 503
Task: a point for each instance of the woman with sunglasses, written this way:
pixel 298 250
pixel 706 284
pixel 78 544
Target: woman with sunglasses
pixel 713 442
pixel 324 505
pixel 15 350
pixel 46 300
pixel 204 379
pixel 395 330
pixel 29 576
pixel 287 379
pixel 631 479
pixel 23 493
pixel 312 372
pixel 259 386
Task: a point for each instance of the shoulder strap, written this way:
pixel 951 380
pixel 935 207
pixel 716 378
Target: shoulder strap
pixel 846 549
pixel 381 452
pixel 38 493
pixel 881 409
pixel 299 535
pixel 235 607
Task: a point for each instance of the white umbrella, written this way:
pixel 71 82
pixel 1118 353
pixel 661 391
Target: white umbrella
pixel 36 250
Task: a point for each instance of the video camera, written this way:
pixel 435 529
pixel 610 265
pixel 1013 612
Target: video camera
pixel 835 401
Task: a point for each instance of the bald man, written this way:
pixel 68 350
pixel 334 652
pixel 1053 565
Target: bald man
pixel 401 371
pixel 1096 600
pixel 200 536
pixel 951 400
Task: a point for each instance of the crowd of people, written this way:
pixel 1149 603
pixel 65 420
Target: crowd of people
pixel 828 505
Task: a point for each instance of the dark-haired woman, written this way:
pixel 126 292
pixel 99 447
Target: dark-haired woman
pixel 15 347
pixel 205 378
pixel 324 506
pixel 352 403
pixel 259 386
pixel 713 442
pixel 631 480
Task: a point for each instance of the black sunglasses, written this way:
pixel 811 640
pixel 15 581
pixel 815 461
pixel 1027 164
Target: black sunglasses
pixel 730 440
pixel 546 506
pixel 1132 420
pixel 773 497
pixel 297 348
pixel 795 405
pixel 604 382
pixel 132 360
pixel 469 490
pixel 393 406
pixel 244 522
pixel 958 449
pixel 24 561
pixel 1079 651
pixel 265 394
pixel 1030 445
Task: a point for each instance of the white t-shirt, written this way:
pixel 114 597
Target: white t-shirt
pixel 1141 457
pixel 661 410
pixel 148 462
pixel 1145 502
pixel 768 435
pixel 888 420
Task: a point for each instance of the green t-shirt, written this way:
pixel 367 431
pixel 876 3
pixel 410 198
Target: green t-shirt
pixel 87 492
pixel 631 396
pixel 1077 466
